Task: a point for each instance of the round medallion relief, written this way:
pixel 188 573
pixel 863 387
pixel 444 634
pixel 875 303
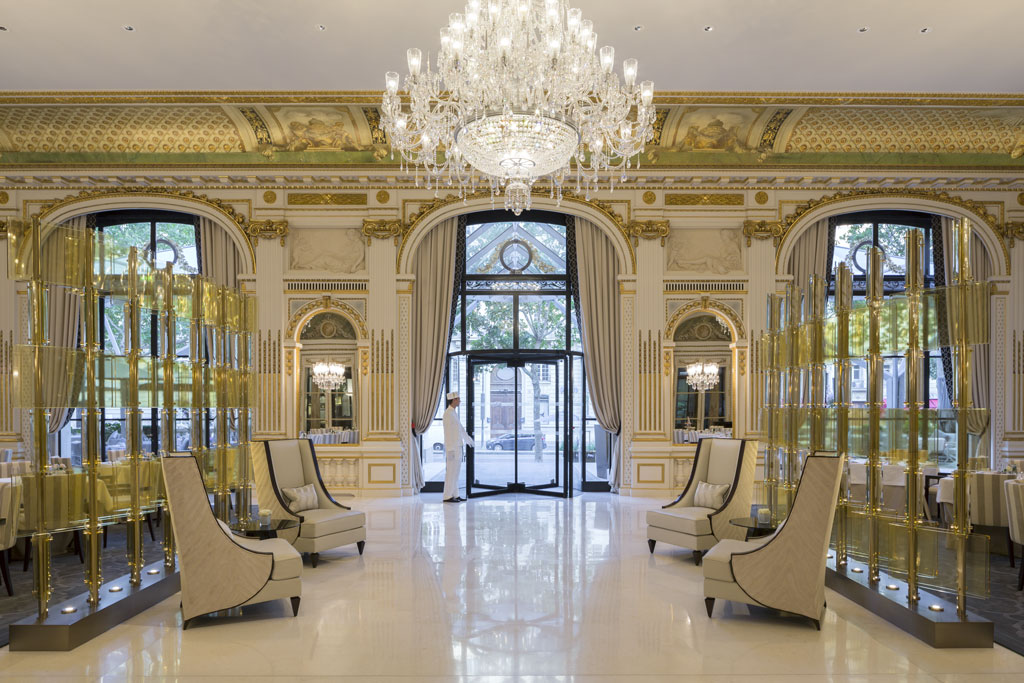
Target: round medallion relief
pixel 761 197
pixel 328 329
pixel 4 197
pixel 383 196
pixel 1020 199
pixel 649 197
pixel 270 196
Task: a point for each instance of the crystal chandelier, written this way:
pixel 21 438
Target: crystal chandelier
pixel 702 376
pixel 328 375
pixel 518 93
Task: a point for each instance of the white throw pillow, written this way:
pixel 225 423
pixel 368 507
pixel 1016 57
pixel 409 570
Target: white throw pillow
pixel 710 495
pixel 301 498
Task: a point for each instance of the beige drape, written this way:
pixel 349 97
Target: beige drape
pixel 598 270
pixel 981 271
pixel 220 260
pixel 810 254
pixel 62 377
pixel 434 265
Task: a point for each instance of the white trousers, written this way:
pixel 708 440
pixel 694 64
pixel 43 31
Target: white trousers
pixel 452 467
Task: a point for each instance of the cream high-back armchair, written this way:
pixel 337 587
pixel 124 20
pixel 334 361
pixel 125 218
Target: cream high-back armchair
pixel 784 571
pixel 291 464
pixel 218 569
pixel 10 504
pixel 683 523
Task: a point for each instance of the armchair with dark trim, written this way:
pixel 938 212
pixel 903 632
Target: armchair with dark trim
pixel 291 464
pixel 685 524
pixel 784 571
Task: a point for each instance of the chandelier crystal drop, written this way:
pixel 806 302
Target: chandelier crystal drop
pixel 702 376
pixel 517 93
pixel 328 375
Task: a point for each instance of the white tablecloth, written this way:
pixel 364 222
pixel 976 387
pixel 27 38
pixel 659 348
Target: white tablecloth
pixel 693 435
pixel 14 469
pixel 347 436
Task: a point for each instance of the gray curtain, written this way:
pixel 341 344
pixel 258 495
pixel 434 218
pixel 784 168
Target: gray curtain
pixel 810 254
pixel 434 265
pixel 220 260
pixel 981 271
pixel 63 310
pixel 598 270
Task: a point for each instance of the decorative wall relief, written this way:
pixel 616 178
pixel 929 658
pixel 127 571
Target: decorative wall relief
pixel 702 328
pixel 705 251
pixel 335 250
pixel 327 128
pixel 708 129
pixel 328 325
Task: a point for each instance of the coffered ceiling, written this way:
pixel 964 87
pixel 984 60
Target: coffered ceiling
pixel 754 45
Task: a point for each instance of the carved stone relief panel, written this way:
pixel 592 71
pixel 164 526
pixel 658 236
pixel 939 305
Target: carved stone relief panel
pixel 705 251
pixel 332 250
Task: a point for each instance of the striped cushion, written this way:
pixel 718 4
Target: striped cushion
pixel 710 495
pixel 1014 489
pixel 301 498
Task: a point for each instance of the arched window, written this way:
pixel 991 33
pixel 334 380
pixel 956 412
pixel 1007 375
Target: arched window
pixel 161 237
pixel 850 237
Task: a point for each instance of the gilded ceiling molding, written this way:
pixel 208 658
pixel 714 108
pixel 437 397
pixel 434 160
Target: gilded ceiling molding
pixel 268 229
pixel 704 199
pixel 605 208
pixel 385 229
pixel 327 199
pixel 649 230
pixel 233 216
pixel 325 303
pixel 706 304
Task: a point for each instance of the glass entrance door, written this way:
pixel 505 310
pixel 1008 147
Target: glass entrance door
pixel 520 426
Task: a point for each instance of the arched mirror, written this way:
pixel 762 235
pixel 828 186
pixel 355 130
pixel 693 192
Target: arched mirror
pixel 703 338
pixel 329 400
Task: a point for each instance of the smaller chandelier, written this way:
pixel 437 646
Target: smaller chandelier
pixel 328 375
pixel 702 376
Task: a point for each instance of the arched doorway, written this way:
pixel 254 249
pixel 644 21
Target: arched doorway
pixel 516 357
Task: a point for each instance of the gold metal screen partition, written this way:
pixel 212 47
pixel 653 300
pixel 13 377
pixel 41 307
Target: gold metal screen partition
pixel 211 386
pixel 854 380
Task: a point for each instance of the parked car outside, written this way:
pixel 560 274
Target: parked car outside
pixel 507 442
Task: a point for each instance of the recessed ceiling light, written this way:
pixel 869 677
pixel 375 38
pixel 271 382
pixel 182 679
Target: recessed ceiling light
pixel 638 27
pixel 863 29
pixel 926 29
pixel 128 27
pixel 321 27
pixel 709 29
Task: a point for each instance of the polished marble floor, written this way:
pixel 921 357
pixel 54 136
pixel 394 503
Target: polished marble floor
pixel 509 588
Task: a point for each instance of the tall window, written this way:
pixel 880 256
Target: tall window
pixel 161 237
pixel 852 235
pixel 514 292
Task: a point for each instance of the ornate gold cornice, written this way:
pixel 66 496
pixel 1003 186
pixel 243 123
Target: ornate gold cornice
pixel 327 199
pixel 704 199
pixel 1013 230
pixel 649 230
pixel 762 230
pixel 325 303
pixel 706 304
pixel 268 229
pixel 232 215
pixel 385 229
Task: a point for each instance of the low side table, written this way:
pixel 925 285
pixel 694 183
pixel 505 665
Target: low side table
pixel 755 529
pixel 253 528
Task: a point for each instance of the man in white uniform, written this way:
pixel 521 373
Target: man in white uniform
pixel 455 437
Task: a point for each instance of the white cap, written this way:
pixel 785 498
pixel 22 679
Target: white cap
pixel 451 395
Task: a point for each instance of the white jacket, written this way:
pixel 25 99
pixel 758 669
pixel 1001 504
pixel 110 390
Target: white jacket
pixel 454 433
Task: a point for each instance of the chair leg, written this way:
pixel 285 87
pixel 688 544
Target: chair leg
pixel 650 544
pixel 27 556
pixel 1020 579
pixel 78 546
pixel 295 605
pixel 149 523
pixel 5 573
pixel 698 556
pixel 313 559
pixel 105 526
pixel 709 604
pixel 1009 544
pixel 360 545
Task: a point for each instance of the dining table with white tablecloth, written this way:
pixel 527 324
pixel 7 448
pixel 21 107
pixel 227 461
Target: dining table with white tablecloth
pixel 334 437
